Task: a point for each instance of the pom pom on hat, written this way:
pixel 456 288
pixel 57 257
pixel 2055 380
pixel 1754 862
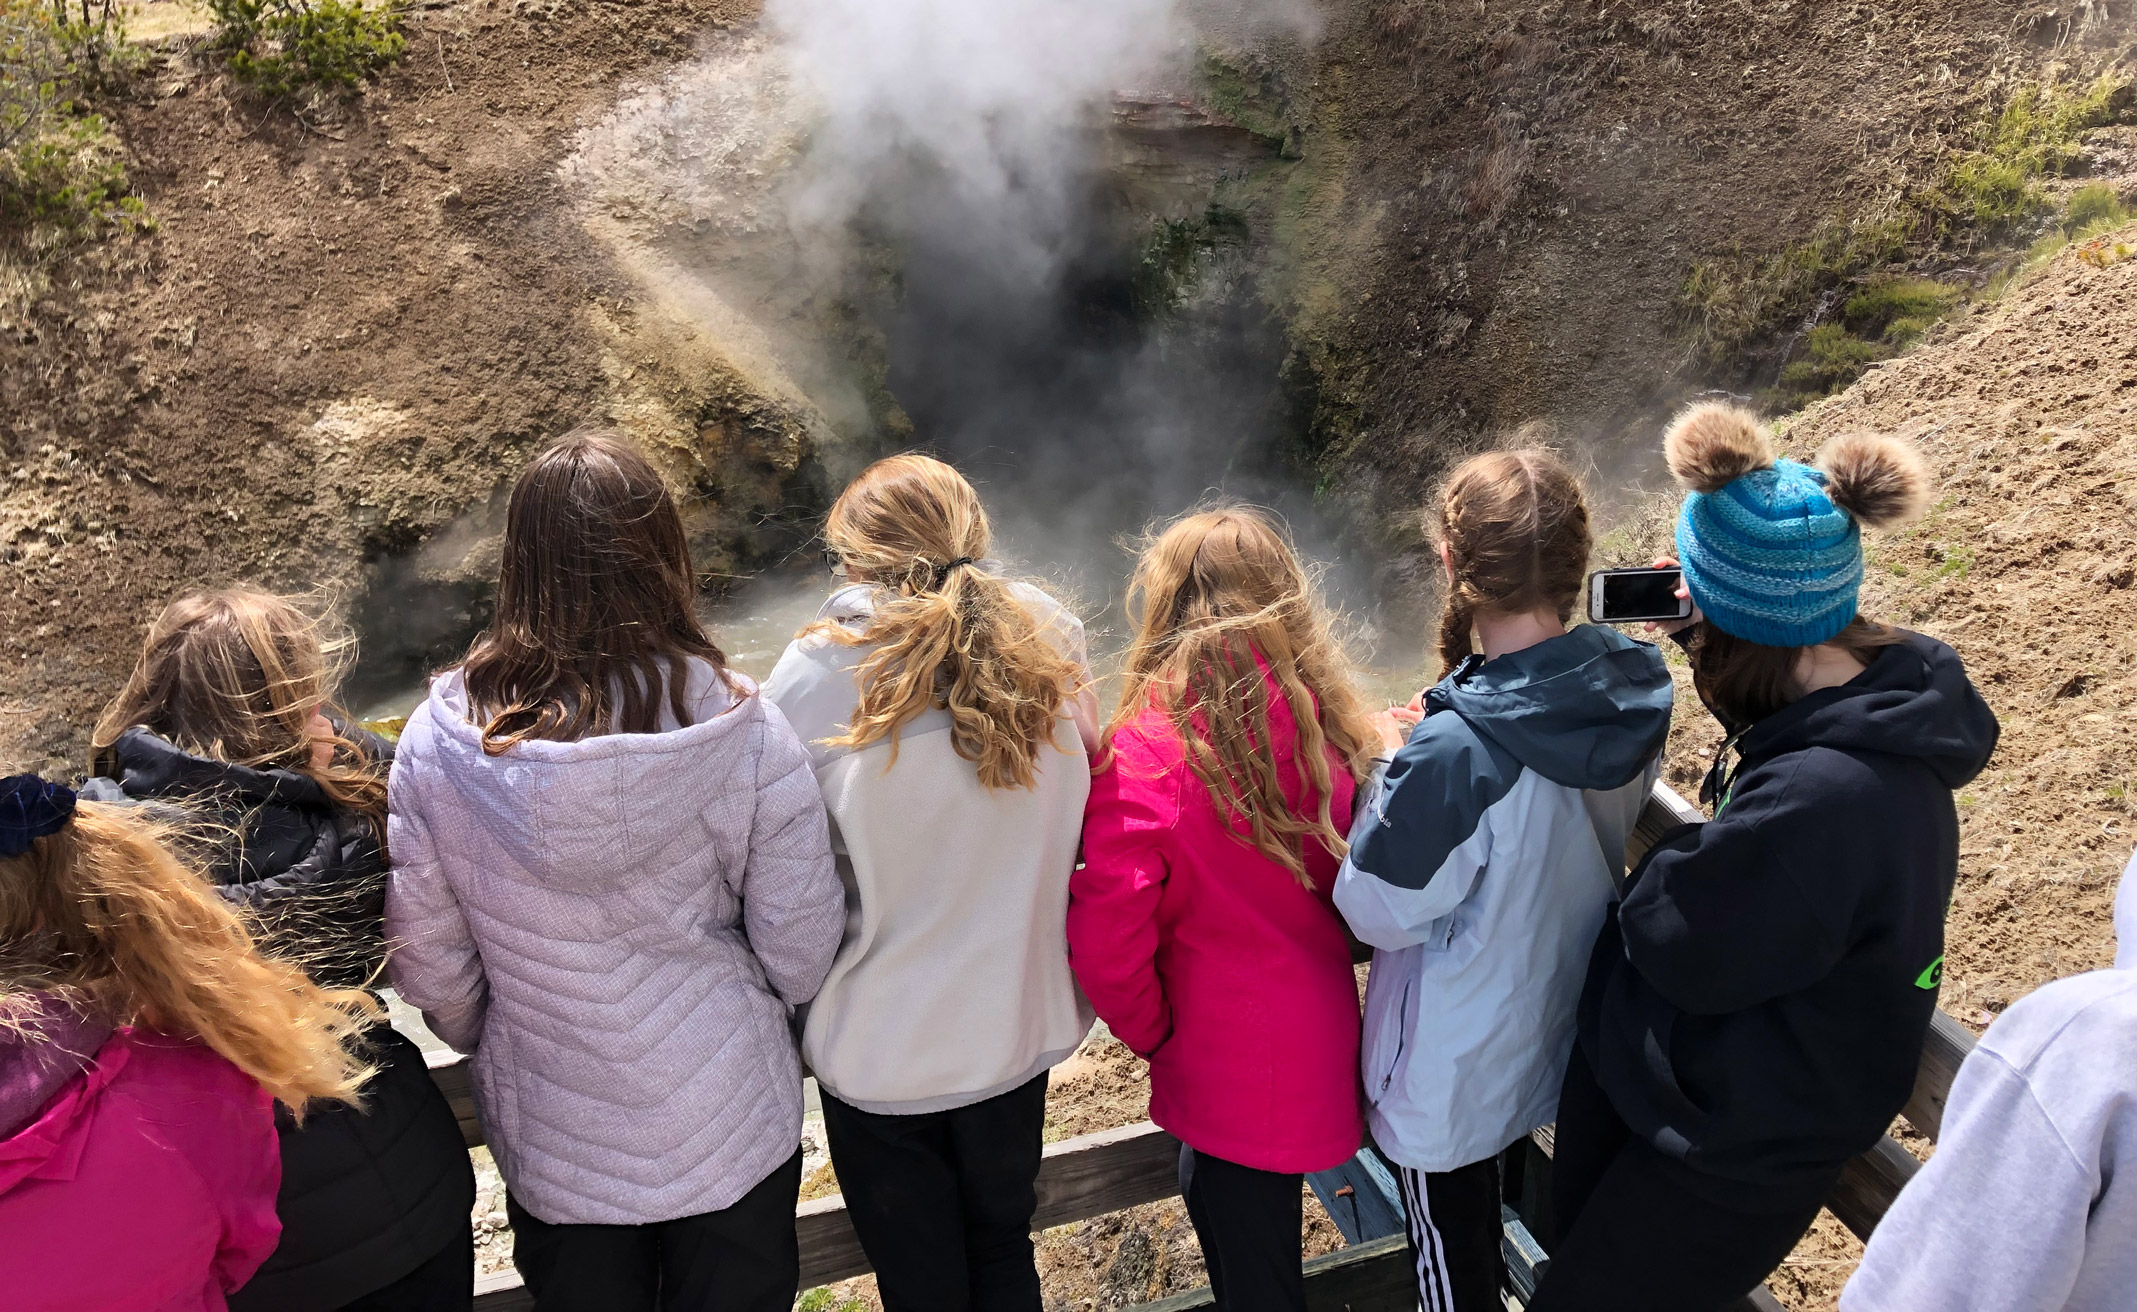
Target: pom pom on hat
pixel 1881 481
pixel 1712 445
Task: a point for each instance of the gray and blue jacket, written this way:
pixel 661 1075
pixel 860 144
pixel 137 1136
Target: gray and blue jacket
pixel 1481 871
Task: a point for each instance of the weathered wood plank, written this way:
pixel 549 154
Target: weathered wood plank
pixel 1946 1047
pixel 1869 1184
pixel 1371 1277
pixel 502 1293
pixel 450 1072
pixel 1093 1174
pixel 830 1250
pixel 1665 810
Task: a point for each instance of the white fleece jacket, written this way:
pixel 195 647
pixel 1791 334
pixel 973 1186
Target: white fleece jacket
pixel 2030 1203
pixel 952 984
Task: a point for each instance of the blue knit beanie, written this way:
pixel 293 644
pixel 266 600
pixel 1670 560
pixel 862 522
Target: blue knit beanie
pixel 1772 549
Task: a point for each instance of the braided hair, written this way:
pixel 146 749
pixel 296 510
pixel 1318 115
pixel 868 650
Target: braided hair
pixel 1514 526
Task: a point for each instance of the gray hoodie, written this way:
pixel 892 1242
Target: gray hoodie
pixel 1481 869
pixel 619 929
pixel 2030 1203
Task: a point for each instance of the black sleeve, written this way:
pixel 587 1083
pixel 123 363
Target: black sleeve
pixel 1747 907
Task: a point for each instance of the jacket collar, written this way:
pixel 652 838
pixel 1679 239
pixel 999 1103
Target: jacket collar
pixel 39 1053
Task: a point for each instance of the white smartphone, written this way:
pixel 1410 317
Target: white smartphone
pixel 1627 596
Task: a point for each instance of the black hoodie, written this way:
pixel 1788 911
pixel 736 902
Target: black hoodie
pixel 1756 1006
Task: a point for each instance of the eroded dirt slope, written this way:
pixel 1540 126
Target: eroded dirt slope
pixel 340 337
pixel 1524 187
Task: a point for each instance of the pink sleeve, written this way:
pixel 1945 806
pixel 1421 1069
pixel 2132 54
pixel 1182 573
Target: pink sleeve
pixel 251 1229
pixel 1113 904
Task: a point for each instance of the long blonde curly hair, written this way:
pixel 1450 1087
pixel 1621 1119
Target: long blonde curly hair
pixel 103 911
pixel 1212 593
pixel 236 675
pixel 947 632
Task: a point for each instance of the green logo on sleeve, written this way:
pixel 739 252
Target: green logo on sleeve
pixel 1932 976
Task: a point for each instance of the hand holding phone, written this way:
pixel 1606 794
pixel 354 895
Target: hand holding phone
pixel 1625 596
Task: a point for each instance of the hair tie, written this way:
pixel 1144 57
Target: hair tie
pixel 943 572
pixel 30 809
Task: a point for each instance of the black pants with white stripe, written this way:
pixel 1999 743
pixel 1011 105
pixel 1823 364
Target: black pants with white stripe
pixel 1453 1219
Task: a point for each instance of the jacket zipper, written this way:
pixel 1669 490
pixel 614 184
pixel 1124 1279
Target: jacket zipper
pixel 1402 1035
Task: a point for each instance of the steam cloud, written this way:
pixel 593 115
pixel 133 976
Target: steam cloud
pixel 970 137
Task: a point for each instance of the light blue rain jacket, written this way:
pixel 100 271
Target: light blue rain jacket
pixel 1480 871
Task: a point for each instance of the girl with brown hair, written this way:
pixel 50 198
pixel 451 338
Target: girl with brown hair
pixel 143 1043
pixel 229 717
pixel 1755 1007
pixel 612 883
pixel 1482 869
pixel 1201 924
pixel 949 715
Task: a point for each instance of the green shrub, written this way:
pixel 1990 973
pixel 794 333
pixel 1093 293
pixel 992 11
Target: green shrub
pixel 2039 133
pixel 62 173
pixel 282 46
pixel 1898 310
pixel 1833 357
pixel 32 66
pixel 65 185
pixel 2093 208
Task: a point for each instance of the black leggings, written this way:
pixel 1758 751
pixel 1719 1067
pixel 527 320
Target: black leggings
pixel 1249 1222
pixel 742 1258
pixel 942 1201
pixel 1635 1235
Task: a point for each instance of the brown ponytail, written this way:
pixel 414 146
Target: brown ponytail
pixel 1515 529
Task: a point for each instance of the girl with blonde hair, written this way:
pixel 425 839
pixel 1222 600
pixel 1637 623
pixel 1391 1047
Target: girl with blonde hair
pixel 1201 924
pixel 950 716
pixel 143 1043
pixel 229 717
pixel 612 884
pixel 1482 869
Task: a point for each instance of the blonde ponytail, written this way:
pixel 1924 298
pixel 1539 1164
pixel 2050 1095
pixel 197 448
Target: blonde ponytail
pixel 947 634
pixel 103 910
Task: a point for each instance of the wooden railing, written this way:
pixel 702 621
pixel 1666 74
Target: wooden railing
pixel 1094 1174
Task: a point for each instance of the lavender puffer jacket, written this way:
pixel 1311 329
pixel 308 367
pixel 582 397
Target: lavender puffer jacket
pixel 619 929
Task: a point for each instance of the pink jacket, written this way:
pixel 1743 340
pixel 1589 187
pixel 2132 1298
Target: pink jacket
pixel 145 1184
pixel 1212 961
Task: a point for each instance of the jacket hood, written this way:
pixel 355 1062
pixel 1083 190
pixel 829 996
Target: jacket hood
pixel 39 1054
pixel 1587 709
pixel 150 765
pixel 575 813
pixel 1913 699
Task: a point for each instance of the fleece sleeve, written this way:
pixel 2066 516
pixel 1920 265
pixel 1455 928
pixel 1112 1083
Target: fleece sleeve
pixel 1422 837
pixel 1996 1222
pixel 1724 916
pixel 434 964
pixel 793 905
pixel 1113 904
pixel 251 1174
